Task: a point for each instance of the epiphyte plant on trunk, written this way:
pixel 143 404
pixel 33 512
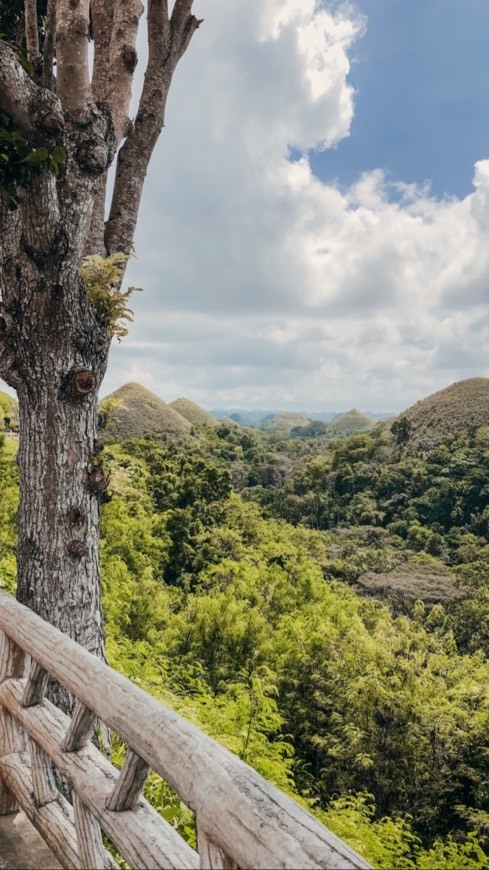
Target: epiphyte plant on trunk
pixel 61 126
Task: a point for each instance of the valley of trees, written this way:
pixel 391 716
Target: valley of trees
pixel 232 560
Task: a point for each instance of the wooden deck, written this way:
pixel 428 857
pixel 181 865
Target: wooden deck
pixel 21 847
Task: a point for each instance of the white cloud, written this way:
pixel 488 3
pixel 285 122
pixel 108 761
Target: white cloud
pixel 261 281
pixel 265 286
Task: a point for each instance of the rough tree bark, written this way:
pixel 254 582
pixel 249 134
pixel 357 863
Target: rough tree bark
pixel 53 343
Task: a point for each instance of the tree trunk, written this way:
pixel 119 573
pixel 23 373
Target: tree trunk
pixel 53 344
pixel 59 355
pixel 58 562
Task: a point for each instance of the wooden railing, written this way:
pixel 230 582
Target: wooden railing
pixel 242 820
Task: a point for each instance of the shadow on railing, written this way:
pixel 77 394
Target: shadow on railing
pixel 242 820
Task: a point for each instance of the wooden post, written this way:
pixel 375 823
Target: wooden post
pixel 37 681
pixel 89 838
pixel 11 738
pixel 130 783
pixel 43 785
pixel 11 658
pixel 80 728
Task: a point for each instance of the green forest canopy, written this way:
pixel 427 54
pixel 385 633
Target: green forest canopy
pixel 230 561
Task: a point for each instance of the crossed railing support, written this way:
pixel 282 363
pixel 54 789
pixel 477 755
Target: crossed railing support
pixel 242 820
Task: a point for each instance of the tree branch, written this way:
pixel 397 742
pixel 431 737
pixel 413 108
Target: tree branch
pixel 115 28
pixel 102 24
pixel 183 25
pixel 31 31
pixel 95 239
pixel 48 79
pixel 73 79
pixel 167 42
pixel 181 11
pixel 123 60
pixel 31 108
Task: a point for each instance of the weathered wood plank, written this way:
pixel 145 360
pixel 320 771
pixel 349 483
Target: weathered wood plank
pixel 12 658
pixel 12 663
pixel 11 735
pixel 143 838
pixel 89 837
pixel 54 821
pixel 43 785
pixel 211 856
pixel 11 740
pixel 37 682
pixel 130 783
pixel 241 812
pixel 79 729
pixel 8 804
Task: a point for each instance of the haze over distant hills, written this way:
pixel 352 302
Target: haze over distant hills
pixel 136 412
pixel 461 406
pixel 257 416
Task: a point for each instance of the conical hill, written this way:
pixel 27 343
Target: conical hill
pixel 135 412
pixel 285 421
pixel 458 408
pixel 351 423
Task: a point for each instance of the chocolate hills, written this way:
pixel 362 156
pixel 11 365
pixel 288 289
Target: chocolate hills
pixel 135 412
pixel 351 423
pixel 193 412
pixel 285 422
pixel 458 408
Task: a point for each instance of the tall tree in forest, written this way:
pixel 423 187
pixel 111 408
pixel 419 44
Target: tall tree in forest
pixel 61 125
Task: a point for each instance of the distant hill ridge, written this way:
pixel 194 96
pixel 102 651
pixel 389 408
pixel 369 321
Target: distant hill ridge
pixel 460 407
pixel 258 418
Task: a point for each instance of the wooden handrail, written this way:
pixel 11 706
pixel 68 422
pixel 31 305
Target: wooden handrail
pixel 242 820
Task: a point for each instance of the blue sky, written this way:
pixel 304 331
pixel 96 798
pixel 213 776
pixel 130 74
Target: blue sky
pixel 421 73
pixel 315 222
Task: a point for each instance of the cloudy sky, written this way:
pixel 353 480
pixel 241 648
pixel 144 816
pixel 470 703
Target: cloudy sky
pixel 314 231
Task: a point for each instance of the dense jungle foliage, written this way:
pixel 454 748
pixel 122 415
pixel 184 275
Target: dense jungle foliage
pixel 230 564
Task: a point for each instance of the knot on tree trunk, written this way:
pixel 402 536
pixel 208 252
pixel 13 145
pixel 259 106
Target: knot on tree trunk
pixel 84 382
pixel 77 549
pixel 98 446
pixel 77 384
pixel 98 482
pixel 48 113
pixel 93 156
pixel 75 516
pixel 129 58
pixel 94 139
